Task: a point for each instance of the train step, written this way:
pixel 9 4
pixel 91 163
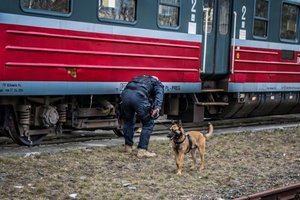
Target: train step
pixel 212 90
pixel 211 104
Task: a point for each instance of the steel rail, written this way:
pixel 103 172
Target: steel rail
pixel 283 193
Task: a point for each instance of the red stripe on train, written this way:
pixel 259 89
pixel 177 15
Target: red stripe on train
pixel 264 65
pixel 43 54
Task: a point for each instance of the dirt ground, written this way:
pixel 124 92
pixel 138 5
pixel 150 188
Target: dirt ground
pixel 236 165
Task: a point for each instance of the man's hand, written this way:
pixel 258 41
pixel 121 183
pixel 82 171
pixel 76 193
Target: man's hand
pixel 155 113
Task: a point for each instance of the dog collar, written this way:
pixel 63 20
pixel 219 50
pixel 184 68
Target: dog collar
pixel 180 142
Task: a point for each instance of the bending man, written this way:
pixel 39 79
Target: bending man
pixel 142 96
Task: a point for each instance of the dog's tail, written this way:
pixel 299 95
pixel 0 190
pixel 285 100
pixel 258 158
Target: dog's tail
pixel 210 131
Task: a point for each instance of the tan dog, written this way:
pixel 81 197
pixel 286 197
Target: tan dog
pixel 190 141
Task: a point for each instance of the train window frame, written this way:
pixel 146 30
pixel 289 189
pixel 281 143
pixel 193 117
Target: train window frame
pixel 172 5
pixel 264 19
pixel 46 12
pixel 101 19
pixel 296 40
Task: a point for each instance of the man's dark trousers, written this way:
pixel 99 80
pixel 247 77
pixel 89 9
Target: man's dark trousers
pixel 136 101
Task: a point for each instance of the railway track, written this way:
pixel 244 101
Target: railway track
pixel 291 192
pixel 162 127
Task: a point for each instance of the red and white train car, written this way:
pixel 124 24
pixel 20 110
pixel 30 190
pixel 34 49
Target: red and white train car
pixel 265 61
pixel 64 63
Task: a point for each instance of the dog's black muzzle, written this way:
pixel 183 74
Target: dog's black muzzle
pixel 173 135
pixel 170 135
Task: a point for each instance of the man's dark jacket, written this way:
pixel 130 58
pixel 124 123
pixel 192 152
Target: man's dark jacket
pixel 151 86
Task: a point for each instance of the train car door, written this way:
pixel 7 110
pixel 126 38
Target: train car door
pixel 216 38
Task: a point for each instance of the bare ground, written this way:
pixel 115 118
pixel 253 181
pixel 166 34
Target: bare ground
pixel 236 165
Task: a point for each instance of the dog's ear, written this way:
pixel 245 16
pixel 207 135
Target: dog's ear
pixel 179 123
pixel 173 122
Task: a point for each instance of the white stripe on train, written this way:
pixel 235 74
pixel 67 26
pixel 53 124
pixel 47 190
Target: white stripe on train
pixel 44 22
pixel 22 88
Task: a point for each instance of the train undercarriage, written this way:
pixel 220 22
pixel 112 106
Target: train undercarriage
pixel 217 104
pixel 27 120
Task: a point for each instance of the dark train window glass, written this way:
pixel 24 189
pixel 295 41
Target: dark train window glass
pixel 262 8
pixel 54 6
pixel 289 21
pixel 224 17
pixel 209 12
pixel 260 28
pixel 168 13
pixel 120 10
pixel 261 18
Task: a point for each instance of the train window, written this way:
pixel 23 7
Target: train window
pixel 261 18
pixel 209 6
pixel 168 13
pixel 50 6
pixel 120 10
pixel 224 17
pixel 289 21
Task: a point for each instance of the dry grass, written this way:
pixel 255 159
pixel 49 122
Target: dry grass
pixel 236 165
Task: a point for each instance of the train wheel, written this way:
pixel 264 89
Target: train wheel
pixel 118 132
pixel 11 129
pixel 2 120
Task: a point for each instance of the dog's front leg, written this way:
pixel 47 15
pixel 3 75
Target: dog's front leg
pixel 179 163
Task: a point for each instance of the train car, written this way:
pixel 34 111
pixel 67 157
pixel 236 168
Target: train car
pixel 63 63
pixel 251 57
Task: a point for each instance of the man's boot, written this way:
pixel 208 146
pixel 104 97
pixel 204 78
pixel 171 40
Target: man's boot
pixel 128 149
pixel 143 153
